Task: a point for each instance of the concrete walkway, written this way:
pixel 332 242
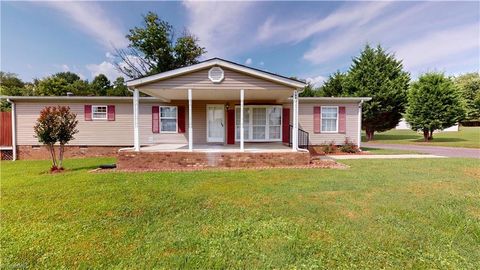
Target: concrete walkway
pixel 408 156
pixel 433 150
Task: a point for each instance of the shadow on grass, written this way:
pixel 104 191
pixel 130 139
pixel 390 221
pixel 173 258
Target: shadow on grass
pixel 442 140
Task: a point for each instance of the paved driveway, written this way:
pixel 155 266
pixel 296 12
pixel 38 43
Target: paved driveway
pixel 433 150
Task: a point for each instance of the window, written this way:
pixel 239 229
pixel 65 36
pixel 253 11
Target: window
pixel 330 119
pixel 99 112
pixel 168 119
pixel 260 123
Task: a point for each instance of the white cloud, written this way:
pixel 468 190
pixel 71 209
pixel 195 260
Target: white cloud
pixel 439 45
pixel 316 81
pixel 222 27
pixel 248 61
pixel 284 31
pixel 65 67
pixel 93 20
pixel 106 68
pixel 261 63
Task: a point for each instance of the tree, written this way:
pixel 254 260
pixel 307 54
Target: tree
pixel 55 124
pixel 433 103
pixel 153 49
pixel 100 85
pixel 469 87
pixel 61 83
pixel 308 91
pixel 377 74
pixel 335 85
pixel 119 88
pixel 11 85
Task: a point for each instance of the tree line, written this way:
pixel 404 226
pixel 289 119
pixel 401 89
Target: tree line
pixel 59 84
pixel 434 101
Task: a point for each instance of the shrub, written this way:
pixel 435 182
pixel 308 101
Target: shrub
pixel 349 147
pixel 329 148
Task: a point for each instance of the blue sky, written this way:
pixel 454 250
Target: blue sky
pixel 309 40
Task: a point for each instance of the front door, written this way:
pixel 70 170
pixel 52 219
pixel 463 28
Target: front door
pixel 215 123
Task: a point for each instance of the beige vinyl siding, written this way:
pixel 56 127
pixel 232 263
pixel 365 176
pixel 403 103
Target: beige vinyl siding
pixel 305 122
pixel 233 81
pixel 96 132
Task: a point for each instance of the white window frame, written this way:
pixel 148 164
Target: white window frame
pixel 160 119
pixel 99 118
pixel 249 138
pixel 321 119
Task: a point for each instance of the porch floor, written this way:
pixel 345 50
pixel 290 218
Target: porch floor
pixel 219 148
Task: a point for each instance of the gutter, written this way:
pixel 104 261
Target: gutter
pixel 14 130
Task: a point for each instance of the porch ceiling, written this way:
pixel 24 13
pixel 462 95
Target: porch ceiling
pixel 217 94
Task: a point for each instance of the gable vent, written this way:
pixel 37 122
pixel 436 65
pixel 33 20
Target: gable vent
pixel 216 75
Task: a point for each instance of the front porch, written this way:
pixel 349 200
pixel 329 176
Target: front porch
pixel 219 148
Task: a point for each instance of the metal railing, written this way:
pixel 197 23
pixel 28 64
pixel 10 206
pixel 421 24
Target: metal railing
pixel 303 138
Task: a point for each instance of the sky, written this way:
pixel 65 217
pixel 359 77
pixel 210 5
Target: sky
pixel 308 40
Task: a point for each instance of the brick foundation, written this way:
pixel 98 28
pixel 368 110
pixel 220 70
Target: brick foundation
pixel 41 152
pixel 178 160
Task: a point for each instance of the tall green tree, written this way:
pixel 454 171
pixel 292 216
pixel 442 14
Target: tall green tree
pixel 154 48
pixel 469 87
pixel 377 74
pixel 308 91
pixel 433 103
pixel 101 85
pixel 119 88
pixel 335 85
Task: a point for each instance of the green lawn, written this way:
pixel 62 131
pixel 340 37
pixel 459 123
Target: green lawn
pixel 466 137
pixel 422 214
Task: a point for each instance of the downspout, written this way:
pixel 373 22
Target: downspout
pixel 359 138
pixel 14 130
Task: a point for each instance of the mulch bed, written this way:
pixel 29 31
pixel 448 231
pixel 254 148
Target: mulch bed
pixel 315 164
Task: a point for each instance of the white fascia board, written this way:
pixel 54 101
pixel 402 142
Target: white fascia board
pixel 334 99
pixel 216 62
pixel 75 98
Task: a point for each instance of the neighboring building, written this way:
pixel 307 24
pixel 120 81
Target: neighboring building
pixel 197 108
pixel 403 125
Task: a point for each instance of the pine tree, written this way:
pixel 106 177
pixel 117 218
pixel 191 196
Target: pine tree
pixel 433 103
pixel 377 74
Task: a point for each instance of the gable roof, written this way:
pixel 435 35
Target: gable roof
pixel 221 63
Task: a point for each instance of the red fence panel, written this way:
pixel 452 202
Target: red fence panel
pixel 5 129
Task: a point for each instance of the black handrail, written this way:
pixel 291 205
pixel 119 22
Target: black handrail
pixel 303 138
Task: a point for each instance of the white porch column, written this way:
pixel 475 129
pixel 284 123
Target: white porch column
pixel 136 134
pixel 190 129
pixel 359 135
pixel 295 121
pixel 242 97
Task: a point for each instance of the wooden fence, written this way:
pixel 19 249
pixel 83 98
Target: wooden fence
pixel 5 129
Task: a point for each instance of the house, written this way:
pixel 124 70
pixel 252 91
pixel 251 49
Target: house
pixel 215 108
pixel 403 125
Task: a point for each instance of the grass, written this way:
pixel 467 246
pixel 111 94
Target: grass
pixel 467 137
pixel 378 151
pixel 376 214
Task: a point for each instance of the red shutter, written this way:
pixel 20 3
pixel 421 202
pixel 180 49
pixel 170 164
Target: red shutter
pixel 181 119
pixel 230 126
pixel 111 112
pixel 342 120
pixel 87 113
pixel 155 120
pixel 286 125
pixel 317 118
